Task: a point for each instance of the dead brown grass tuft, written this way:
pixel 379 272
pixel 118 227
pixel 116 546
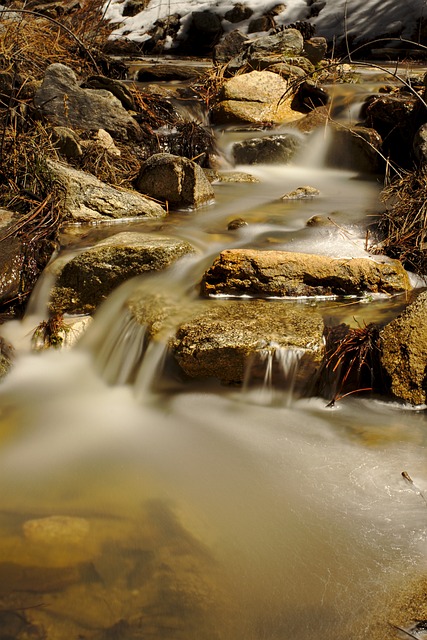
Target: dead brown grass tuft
pixel 351 363
pixel 402 229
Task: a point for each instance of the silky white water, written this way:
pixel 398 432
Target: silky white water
pixel 214 512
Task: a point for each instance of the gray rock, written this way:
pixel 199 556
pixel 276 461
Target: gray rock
pixel 266 150
pixel 179 181
pixel 315 49
pixel 287 70
pixel 285 43
pixel 238 272
pixel 87 280
pixel 67 142
pixel 238 13
pixel 87 199
pixel 116 87
pixel 301 193
pixel 222 340
pixel 404 349
pixel 230 46
pixel 263 23
pixel 61 100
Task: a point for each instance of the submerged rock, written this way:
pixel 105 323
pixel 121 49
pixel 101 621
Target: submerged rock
pixel 301 193
pixel 238 272
pixel 56 530
pixel 86 280
pixel 404 348
pixel 87 199
pixel 221 341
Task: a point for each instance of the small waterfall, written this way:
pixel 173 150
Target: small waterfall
pixel 271 373
pixel 122 351
pixel 151 370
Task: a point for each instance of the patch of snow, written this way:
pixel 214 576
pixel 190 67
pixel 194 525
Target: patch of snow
pixel 367 18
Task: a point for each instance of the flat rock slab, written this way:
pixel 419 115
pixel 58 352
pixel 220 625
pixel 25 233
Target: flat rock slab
pixel 403 349
pixel 89 278
pixel 221 341
pixel 238 272
pixel 87 199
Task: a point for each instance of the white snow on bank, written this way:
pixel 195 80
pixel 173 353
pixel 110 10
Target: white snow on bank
pixel 361 18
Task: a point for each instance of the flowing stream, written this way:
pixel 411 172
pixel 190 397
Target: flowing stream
pixel 199 511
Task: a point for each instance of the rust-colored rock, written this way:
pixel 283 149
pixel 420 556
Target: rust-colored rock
pixel 239 272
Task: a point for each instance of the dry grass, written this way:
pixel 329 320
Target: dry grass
pixel 402 229
pixel 351 363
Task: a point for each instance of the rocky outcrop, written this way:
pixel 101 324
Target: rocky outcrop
pixel 404 349
pixel 178 181
pixel 87 199
pixel 255 97
pixel 266 150
pixel 239 272
pixel 223 340
pixel 63 102
pixel 86 280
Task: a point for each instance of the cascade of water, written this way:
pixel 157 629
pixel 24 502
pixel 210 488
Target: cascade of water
pixel 272 370
pixel 119 356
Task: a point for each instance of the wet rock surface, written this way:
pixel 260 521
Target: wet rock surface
pixel 220 341
pixel 239 272
pixel 89 278
pixel 266 150
pixel 179 181
pixel 404 344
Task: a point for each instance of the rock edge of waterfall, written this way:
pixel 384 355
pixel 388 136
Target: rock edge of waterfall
pixel 93 149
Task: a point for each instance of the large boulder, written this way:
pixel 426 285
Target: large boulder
pixel 87 199
pixel 86 280
pixel 404 352
pixel 63 102
pixel 223 340
pixel 179 181
pixel 255 97
pixel 284 273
